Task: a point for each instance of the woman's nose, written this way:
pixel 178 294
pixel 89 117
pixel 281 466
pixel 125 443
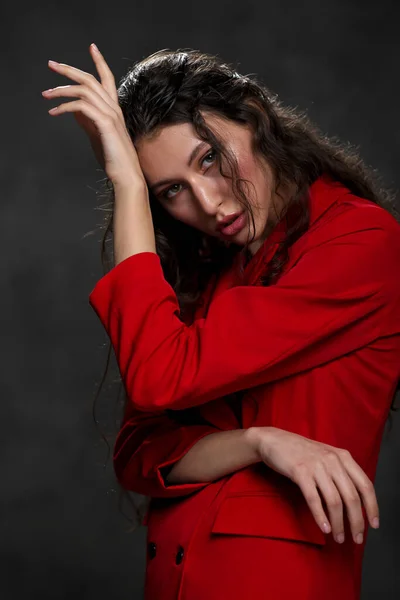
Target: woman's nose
pixel 209 198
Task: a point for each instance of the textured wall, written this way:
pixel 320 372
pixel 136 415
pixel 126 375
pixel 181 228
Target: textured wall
pixel 61 535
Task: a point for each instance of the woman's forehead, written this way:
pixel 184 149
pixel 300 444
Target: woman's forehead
pixel 179 139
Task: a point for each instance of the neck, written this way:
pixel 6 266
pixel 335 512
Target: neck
pixel 277 211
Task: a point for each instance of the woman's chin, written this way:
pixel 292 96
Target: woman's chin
pixel 244 237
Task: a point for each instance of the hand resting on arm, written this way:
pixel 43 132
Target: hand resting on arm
pixel 306 462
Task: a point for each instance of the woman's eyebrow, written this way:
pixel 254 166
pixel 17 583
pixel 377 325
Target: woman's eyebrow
pixel 191 158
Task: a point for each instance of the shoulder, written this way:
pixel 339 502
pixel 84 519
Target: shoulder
pixel 355 243
pixel 356 218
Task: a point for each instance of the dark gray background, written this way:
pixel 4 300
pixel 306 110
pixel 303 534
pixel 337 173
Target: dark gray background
pixel 61 533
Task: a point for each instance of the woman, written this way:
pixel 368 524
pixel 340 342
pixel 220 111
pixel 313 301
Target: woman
pixel 260 357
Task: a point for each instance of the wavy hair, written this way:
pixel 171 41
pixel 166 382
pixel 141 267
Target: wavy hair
pixel 171 87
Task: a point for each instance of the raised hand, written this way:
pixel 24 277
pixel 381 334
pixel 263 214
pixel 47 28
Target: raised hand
pixel 97 111
pixel 319 468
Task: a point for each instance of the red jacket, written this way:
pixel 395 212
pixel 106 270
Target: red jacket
pixel 319 350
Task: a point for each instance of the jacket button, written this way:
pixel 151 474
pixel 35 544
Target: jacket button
pixel 179 555
pixel 152 549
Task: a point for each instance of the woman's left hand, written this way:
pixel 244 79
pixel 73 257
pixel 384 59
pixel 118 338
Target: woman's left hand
pixel 322 472
pixel 97 111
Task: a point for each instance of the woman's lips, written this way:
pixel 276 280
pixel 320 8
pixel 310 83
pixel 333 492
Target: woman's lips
pixel 236 226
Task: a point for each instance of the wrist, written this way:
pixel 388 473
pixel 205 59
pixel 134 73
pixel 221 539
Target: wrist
pixel 131 187
pixel 257 437
pixel 252 437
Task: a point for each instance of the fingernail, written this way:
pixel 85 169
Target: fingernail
pixel 325 527
pixel 95 47
pixel 359 538
pixel 340 538
pixel 53 62
pixel 375 522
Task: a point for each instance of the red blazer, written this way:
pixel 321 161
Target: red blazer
pixel 319 351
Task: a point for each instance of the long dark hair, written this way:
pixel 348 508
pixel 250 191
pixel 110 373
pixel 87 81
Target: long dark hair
pixel 176 86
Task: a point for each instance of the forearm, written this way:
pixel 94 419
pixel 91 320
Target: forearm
pixel 217 454
pixel 214 456
pixel 133 229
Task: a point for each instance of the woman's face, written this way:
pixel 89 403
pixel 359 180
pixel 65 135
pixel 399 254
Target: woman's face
pixel 196 193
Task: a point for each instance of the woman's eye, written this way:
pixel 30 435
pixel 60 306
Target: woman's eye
pixel 211 153
pixel 166 195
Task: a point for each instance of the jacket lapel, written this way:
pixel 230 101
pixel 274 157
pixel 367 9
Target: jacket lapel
pixel 322 195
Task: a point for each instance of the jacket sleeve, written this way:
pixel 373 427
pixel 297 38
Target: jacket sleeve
pixel 329 303
pixel 147 445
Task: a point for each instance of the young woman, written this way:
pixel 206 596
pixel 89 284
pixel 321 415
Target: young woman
pixel 253 307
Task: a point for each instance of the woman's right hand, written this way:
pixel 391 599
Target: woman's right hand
pixel 320 468
pixel 98 112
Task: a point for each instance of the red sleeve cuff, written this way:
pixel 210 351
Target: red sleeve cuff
pixel 118 282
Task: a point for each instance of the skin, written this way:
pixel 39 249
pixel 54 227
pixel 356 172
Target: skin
pixel 199 195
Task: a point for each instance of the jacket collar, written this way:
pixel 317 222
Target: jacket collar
pixel 322 194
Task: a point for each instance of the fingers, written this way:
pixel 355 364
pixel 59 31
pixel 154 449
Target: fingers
pixel 106 76
pixel 340 481
pixel 80 105
pixel 308 487
pixel 337 488
pixel 81 91
pixel 364 486
pixel 87 79
pixel 350 496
